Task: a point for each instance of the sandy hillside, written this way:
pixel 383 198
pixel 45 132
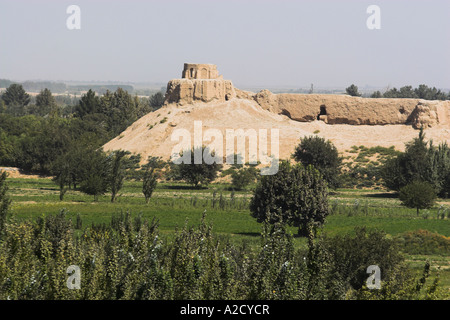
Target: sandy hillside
pixel 151 135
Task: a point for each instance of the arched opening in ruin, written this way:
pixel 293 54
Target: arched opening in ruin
pixel 191 73
pixel 323 112
pixel 204 74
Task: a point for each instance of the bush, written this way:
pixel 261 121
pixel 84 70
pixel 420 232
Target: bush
pixel 353 254
pixel 418 194
pixel 196 174
pixel 296 195
pixel 321 154
pixel 423 242
pixel 243 177
pixel 127 260
pixel 420 161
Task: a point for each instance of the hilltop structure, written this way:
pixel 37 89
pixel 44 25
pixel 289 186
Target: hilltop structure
pixel 202 83
pixel 200 71
pixel 201 94
pixel 199 83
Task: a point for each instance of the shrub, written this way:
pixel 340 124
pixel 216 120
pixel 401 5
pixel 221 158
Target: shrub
pixel 127 260
pixel 321 154
pixel 243 177
pixel 196 174
pixel 418 194
pixel 423 242
pixel 297 195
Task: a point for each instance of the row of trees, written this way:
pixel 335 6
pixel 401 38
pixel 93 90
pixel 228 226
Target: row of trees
pixel 421 92
pixel 32 142
pixel 95 172
pixel 111 107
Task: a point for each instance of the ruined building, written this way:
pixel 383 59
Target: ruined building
pixel 201 83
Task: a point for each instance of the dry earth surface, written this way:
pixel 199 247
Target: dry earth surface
pixel 151 135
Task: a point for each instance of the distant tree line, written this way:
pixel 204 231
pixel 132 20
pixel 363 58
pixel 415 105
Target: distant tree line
pixel 17 102
pixel 421 92
pixel 33 136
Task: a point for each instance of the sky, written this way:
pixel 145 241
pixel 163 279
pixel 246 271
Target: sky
pixel 253 42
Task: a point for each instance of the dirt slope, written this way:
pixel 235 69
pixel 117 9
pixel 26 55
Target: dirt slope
pixel 151 135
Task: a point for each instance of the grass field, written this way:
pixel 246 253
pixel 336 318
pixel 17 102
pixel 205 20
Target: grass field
pixel 176 204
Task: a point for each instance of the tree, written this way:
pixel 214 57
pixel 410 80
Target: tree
pixel 376 94
pixel 95 177
pixel 353 91
pixel 4 201
pixel 427 93
pixel 2 106
pixel 88 104
pixel 197 174
pixel 149 183
pixel 296 195
pixel 61 169
pixel 157 100
pixel 45 103
pixel 421 161
pixel 16 99
pixel 120 110
pixel 323 155
pixel 116 174
pixel 243 177
pixel 418 194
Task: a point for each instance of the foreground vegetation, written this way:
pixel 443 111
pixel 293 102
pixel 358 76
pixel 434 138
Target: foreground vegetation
pixel 126 259
pixel 178 206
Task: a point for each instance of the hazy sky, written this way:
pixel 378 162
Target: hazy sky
pixel 254 43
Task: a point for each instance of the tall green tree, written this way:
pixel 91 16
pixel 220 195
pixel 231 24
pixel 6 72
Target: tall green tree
pixel 95 177
pixel 16 99
pixel 62 170
pixel 149 183
pixel 296 195
pixel 116 174
pixel 45 103
pixel 120 110
pixel 157 100
pixel 421 161
pixel 88 104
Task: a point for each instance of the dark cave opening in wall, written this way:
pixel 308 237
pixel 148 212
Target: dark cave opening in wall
pixel 323 112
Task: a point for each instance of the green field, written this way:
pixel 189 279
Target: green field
pixel 176 204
